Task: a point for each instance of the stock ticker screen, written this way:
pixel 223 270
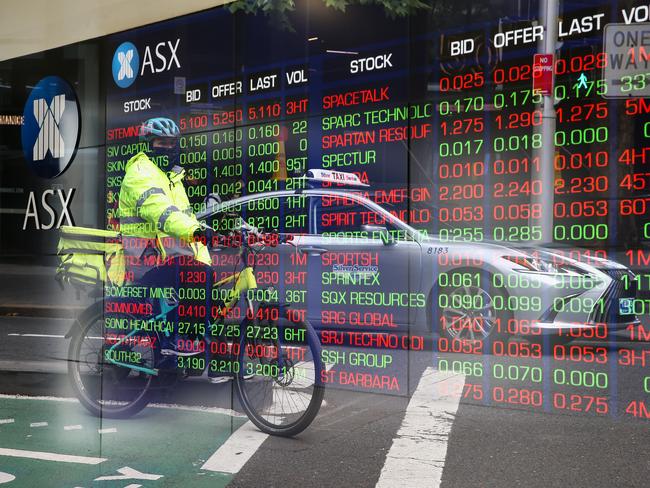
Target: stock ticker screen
pixel 499 223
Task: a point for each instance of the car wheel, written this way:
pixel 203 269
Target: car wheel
pixel 470 312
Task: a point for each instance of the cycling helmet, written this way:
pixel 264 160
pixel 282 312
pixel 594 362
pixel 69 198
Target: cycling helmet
pixel 159 127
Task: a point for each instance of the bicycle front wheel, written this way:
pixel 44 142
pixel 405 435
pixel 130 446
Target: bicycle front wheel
pixel 279 378
pixel 111 388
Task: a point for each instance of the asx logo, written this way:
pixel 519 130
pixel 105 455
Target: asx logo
pixel 49 136
pixel 50 131
pixel 126 61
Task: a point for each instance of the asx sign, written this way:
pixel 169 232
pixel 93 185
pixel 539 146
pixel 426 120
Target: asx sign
pixel 50 130
pixel 50 137
pixel 157 58
pixel 58 211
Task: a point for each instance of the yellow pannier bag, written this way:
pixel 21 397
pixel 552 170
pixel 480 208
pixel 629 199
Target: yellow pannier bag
pixel 90 256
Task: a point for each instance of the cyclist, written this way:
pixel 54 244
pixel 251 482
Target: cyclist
pixel 153 207
pixel 152 202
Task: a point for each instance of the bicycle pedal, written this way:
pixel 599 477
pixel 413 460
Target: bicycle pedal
pixel 173 300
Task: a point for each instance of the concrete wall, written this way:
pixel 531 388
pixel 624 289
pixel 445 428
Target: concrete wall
pixel 28 26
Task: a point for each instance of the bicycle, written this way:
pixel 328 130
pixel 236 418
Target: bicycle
pixel 275 359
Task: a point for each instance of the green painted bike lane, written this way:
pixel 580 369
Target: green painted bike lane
pixel 169 443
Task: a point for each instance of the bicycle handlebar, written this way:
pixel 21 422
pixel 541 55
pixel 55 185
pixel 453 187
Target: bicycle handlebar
pixel 247 237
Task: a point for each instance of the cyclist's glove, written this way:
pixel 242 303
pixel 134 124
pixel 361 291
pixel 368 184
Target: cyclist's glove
pixel 201 235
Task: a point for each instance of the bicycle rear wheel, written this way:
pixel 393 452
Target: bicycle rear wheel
pixel 279 381
pixel 104 388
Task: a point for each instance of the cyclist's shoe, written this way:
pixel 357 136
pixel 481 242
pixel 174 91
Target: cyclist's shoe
pixel 215 380
pixel 171 349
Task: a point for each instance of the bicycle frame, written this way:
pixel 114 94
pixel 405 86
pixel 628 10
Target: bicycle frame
pixel 244 280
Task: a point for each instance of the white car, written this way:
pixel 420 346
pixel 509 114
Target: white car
pixel 354 265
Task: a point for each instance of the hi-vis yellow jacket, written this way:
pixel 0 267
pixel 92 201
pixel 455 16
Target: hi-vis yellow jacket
pixel 153 204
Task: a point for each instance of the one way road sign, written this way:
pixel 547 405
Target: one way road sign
pixel 627 64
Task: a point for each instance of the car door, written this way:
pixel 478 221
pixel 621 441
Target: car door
pixel 279 268
pixel 358 278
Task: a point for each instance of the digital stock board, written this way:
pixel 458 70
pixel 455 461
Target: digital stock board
pixel 498 221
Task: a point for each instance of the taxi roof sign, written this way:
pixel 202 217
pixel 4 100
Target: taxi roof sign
pixel 338 177
pixel 627 66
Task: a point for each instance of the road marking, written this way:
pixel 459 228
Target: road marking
pixel 6 421
pixel 55 336
pixel 6 477
pixel 417 456
pixel 33 306
pixel 224 411
pixel 49 366
pixel 130 474
pixel 172 406
pixel 50 456
pixel 73 427
pixel 112 430
pixel 49 398
pixel 237 450
pixel 38 424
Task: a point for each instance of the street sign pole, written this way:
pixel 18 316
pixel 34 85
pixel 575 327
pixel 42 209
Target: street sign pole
pixel 548 15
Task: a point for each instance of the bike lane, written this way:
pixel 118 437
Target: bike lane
pixel 55 442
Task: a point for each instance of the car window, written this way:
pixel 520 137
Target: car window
pixel 278 213
pixel 338 216
pixel 341 216
pixel 294 214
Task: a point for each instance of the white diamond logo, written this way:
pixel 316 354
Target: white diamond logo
pixel 126 70
pixel 49 135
